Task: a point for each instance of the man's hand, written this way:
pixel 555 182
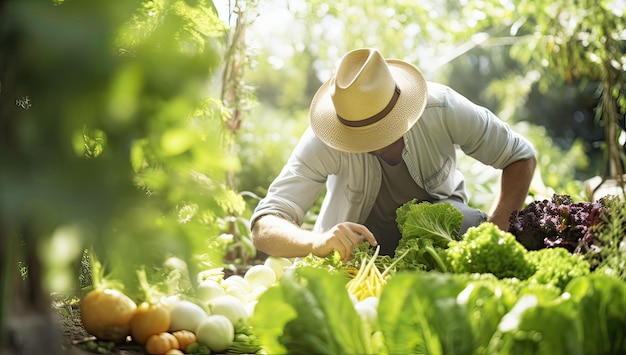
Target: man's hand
pixel 343 237
pixel 276 236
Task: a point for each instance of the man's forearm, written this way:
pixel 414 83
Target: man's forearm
pixel 514 186
pixel 278 237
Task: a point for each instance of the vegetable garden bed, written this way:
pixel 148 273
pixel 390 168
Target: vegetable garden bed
pixel 483 292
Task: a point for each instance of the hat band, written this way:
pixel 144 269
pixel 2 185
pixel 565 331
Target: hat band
pixel 377 117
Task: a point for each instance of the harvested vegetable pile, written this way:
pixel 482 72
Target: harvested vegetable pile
pixel 210 318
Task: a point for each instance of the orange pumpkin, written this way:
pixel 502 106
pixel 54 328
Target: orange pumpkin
pixel 160 344
pixel 149 319
pixel 106 314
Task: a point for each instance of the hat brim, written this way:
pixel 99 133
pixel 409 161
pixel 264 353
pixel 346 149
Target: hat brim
pixel 407 110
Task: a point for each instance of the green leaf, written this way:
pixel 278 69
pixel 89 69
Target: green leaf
pixel 317 316
pixel 271 314
pixel 419 314
pixel 601 310
pixel 177 141
pixel 487 301
pixel 535 326
pixel 440 222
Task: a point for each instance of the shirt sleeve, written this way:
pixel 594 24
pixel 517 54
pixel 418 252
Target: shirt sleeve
pixel 482 135
pixel 300 182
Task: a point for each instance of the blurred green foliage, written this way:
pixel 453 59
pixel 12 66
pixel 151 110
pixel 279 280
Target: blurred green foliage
pixel 511 57
pixel 264 144
pixel 581 42
pixel 121 146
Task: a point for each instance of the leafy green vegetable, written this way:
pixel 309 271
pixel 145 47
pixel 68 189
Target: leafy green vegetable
pixel 556 266
pixel 589 317
pixel 601 311
pixel 544 293
pixel 558 222
pixel 443 313
pixel 331 262
pixel 246 341
pixel 310 312
pixel 487 300
pixel 488 249
pixel 495 298
pixel 436 313
pixel 365 251
pixel 198 348
pixel 537 327
pixel 418 314
pixel 426 229
pixel 420 255
pixel 440 222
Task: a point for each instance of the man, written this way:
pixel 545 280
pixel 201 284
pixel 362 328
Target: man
pixel 379 136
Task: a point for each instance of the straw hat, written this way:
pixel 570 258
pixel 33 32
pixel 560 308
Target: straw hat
pixel 369 103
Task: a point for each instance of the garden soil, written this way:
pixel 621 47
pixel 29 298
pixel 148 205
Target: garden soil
pixel 73 334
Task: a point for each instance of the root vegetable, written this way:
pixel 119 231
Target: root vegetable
pixel 236 281
pixel 209 289
pixel 107 313
pixel 186 315
pixel 372 301
pixel 160 344
pixel 217 332
pixel 231 307
pixel 149 319
pixel 250 306
pixel 368 314
pixel 278 265
pixel 256 293
pixel 260 275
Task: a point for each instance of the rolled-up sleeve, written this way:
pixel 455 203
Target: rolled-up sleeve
pixel 484 136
